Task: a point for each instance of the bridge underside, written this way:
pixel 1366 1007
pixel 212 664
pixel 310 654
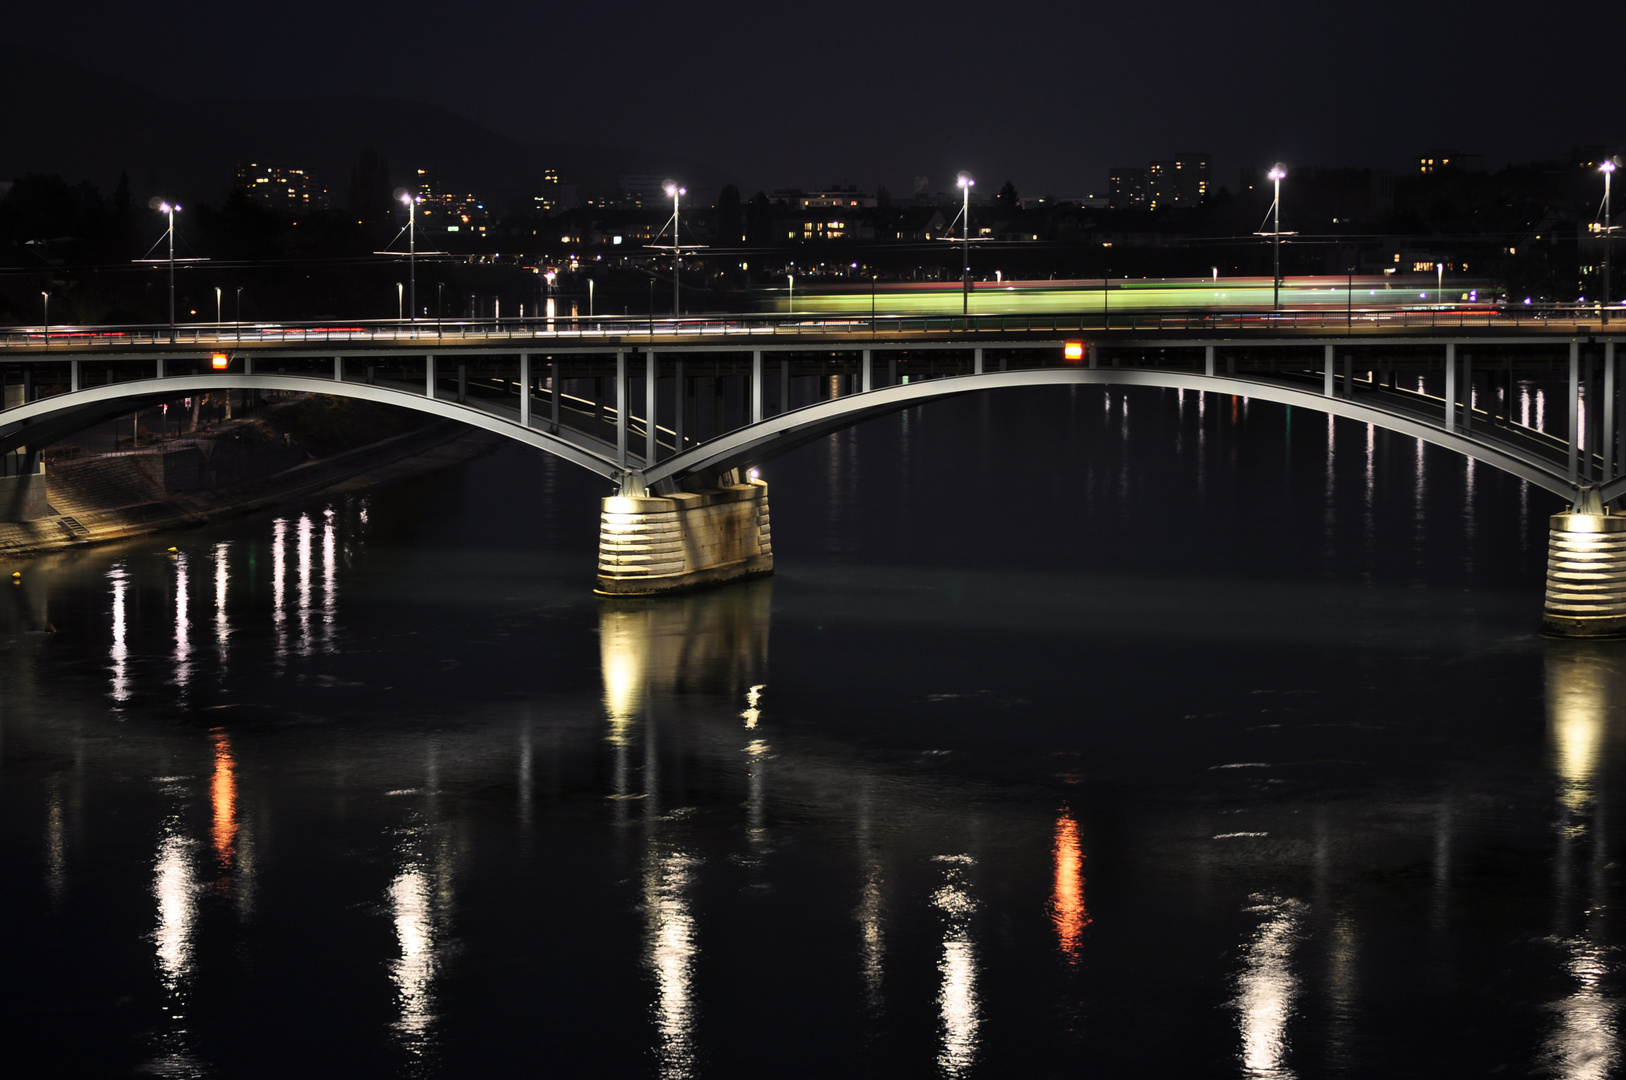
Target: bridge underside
pixel 685 421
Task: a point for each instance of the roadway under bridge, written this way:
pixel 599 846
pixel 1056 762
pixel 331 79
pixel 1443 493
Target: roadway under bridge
pixel 675 421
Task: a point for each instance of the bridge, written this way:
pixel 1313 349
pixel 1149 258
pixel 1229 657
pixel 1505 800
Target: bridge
pixel 677 414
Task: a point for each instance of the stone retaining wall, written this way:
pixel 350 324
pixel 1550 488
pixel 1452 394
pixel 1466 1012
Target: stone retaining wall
pixel 656 544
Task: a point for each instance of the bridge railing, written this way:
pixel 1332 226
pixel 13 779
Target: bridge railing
pixel 622 329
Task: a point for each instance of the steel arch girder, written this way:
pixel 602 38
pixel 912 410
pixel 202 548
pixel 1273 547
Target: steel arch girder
pixel 58 415
pixel 761 442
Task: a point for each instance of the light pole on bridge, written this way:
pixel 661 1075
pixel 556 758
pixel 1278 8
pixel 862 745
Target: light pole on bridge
pixel 412 252
pixel 677 191
pixel 1276 175
pixel 965 183
pixel 1608 169
pixel 169 209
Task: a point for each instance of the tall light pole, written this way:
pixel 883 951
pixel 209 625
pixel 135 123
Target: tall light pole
pixel 169 209
pixel 217 309
pixel 790 304
pixel 1439 282
pixel 676 192
pixel 965 183
pixel 412 251
pixel 589 298
pixel 45 324
pixel 397 301
pixel 1608 169
pixel 1276 174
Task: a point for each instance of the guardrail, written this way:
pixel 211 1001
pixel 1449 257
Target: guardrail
pixel 1558 320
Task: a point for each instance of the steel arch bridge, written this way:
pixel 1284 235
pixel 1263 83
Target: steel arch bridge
pixel 523 394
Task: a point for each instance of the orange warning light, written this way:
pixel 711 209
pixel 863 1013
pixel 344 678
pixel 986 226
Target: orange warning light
pixel 1073 350
pixel 219 360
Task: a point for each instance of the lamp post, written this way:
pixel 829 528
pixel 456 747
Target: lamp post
pixel 589 298
pixel 1439 282
pixel 1608 170
pixel 965 183
pixel 169 210
pixel 398 295
pixel 873 278
pixel 439 286
pixel 217 309
pixel 790 302
pixel 45 321
pixel 1276 174
pixel 412 250
pixel 676 192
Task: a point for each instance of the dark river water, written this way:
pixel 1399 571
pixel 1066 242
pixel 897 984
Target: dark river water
pixel 1080 733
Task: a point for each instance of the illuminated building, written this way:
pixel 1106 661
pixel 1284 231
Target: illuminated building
pixel 1432 163
pixel 1128 186
pixel 283 189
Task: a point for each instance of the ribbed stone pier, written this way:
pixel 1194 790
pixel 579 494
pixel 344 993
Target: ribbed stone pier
pixel 655 544
pixel 1586 572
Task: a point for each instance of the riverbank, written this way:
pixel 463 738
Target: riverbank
pixel 242 469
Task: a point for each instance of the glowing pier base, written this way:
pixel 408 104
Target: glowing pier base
pixel 1586 572
pixel 657 544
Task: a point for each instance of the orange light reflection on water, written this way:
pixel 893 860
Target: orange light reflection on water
pixel 223 798
pixel 1067 909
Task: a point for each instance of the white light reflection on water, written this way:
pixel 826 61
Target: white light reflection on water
pixel 420 899
pixel 183 626
pixel 870 929
pixel 304 552
pixel 670 955
pixel 120 652
pixel 279 584
pixel 959 1006
pixel 222 574
pixel 175 888
pixel 330 587
pixel 56 845
pixel 1267 988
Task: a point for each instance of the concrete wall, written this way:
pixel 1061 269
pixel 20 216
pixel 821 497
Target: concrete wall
pixel 23 498
pixel 659 544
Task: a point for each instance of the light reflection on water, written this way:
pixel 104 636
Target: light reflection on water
pixel 1067 908
pixel 1268 987
pixel 959 1006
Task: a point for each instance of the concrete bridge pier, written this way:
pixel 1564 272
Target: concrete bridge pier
pixel 653 544
pixel 1586 571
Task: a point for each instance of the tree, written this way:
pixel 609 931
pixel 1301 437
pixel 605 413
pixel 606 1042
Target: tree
pixel 730 217
pixel 1007 200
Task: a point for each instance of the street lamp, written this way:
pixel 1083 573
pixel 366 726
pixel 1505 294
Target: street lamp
pixel 676 192
pixel 412 249
pixel 589 298
pixel 217 309
pixel 1439 283
pixel 1276 175
pixel 965 183
pixel 45 325
pixel 1608 169
pixel 790 303
pixel 398 295
pixel 170 209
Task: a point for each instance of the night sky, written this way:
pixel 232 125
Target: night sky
pixel 1048 96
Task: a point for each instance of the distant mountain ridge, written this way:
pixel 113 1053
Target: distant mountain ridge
pixel 89 126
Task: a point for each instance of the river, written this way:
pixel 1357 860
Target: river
pixel 1079 733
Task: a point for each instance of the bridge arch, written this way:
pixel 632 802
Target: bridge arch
pixel 757 443
pixel 52 418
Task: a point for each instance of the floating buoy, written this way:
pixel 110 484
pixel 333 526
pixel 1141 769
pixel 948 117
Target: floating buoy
pixel 172 551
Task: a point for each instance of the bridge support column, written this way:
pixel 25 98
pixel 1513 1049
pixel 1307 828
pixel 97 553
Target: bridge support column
pixel 651 379
pixel 1326 371
pixel 554 396
pixel 1208 360
pixel 651 545
pixel 429 376
pixel 1575 411
pixel 1349 377
pixel 1450 388
pixel 680 401
pixel 338 369
pixel 73 375
pixel 1611 437
pixel 621 407
pixel 976 361
pixel 1586 572
pixel 784 386
pixel 1467 393
pixel 524 389
pixel 869 373
pixel 756 385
